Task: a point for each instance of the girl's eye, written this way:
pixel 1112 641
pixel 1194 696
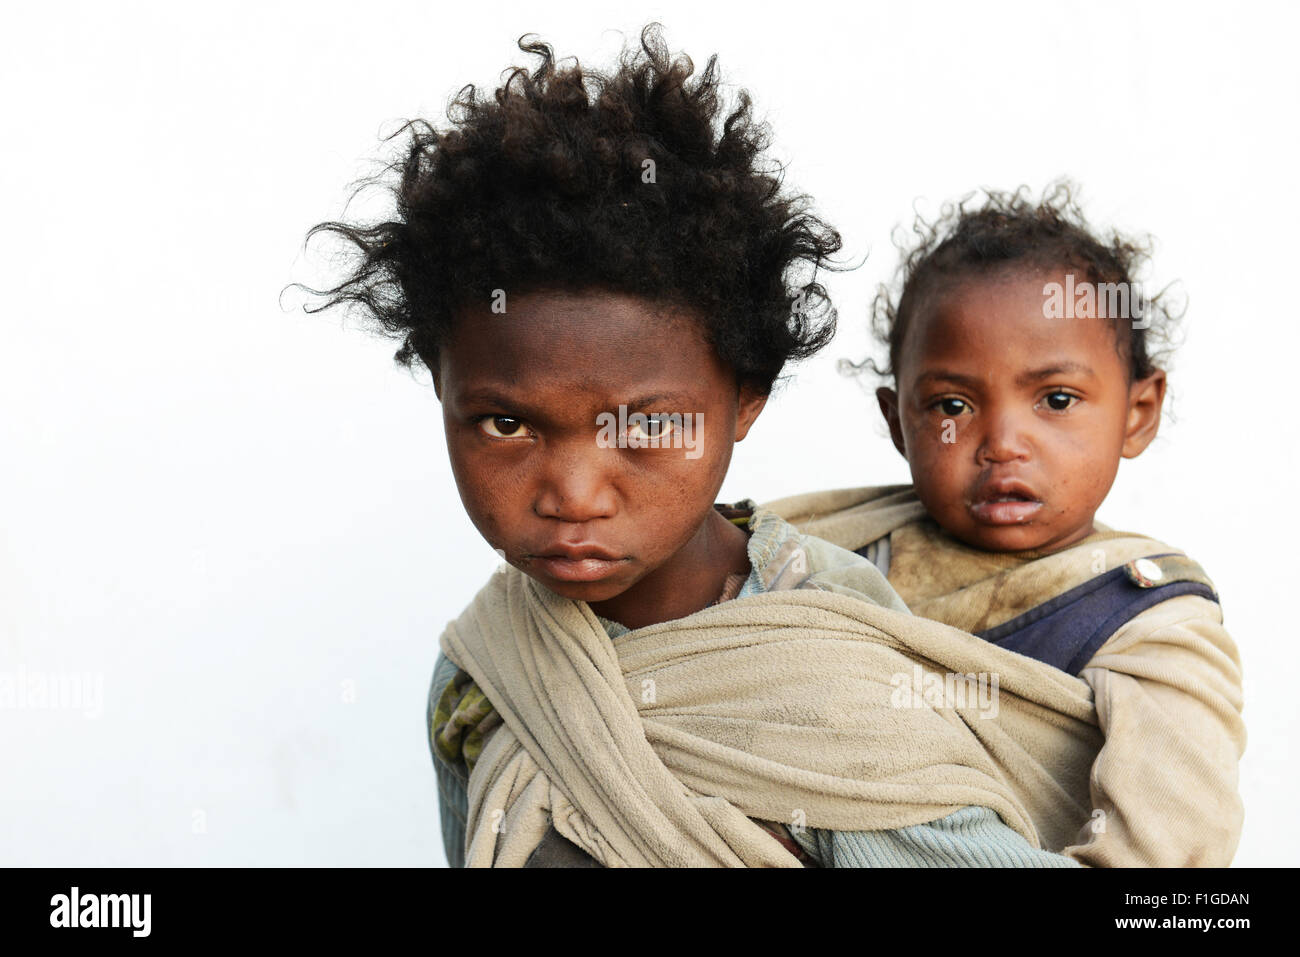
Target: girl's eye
pixel 952 406
pixel 503 427
pixel 1060 401
pixel 656 427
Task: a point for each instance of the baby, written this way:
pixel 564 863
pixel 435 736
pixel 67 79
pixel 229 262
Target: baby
pixel 1018 348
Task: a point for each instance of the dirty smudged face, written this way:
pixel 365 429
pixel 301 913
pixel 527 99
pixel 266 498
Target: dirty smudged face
pixel 1013 423
pixel 628 526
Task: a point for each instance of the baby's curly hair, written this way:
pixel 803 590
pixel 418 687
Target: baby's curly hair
pixel 1010 230
pixel 635 181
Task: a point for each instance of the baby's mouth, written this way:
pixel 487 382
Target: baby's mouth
pixel 1004 503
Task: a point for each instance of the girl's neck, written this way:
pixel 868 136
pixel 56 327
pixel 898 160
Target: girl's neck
pixel 691 580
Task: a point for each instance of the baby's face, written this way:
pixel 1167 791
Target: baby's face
pixel 531 405
pixel 1013 423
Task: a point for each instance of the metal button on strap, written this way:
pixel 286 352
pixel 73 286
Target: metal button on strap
pixel 1148 569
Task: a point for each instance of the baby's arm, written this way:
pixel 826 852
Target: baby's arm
pixel 1169 700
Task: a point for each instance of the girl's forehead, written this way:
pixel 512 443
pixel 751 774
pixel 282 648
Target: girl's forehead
pixel 576 337
pixel 567 355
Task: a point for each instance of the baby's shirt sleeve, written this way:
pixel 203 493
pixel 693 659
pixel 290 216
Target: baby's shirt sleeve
pixel 1164 789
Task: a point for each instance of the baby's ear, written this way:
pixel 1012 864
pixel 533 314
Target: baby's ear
pixel 888 400
pixel 748 406
pixel 1145 398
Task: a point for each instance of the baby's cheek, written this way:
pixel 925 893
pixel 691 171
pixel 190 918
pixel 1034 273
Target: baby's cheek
pixel 1077 495
pixel 1082 474
pixel 937 455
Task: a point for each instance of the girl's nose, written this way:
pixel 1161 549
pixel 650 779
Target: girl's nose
pixel 576 486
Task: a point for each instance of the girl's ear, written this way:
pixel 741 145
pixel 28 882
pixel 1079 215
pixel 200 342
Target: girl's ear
pixel 750 403
pixel 888 400
pixel 1145 397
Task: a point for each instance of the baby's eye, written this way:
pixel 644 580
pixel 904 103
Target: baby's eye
pixel 656 427
pixel 1059 401
pixel 952 406
pixel 503 427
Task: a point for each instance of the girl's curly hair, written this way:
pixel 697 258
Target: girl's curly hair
pixel 1011 230
pixel 636 181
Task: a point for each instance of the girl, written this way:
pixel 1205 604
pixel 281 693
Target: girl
pixel 652 679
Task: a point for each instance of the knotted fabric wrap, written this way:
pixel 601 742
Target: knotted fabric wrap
pixel 656 748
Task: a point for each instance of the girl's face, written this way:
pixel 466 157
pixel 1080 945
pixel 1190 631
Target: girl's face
pixel 531 405
pixel 1013 423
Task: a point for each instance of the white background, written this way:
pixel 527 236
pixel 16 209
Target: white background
pixel 229 509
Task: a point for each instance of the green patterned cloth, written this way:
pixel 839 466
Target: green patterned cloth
pixel 461 721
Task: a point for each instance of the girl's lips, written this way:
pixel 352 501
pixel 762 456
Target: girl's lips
pixel 577 569
pixel 1006 512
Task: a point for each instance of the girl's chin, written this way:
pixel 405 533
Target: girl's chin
pixel 590 592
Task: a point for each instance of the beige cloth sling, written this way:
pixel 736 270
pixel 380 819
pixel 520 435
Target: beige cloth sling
pixel 1161 789
pixel 656 748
